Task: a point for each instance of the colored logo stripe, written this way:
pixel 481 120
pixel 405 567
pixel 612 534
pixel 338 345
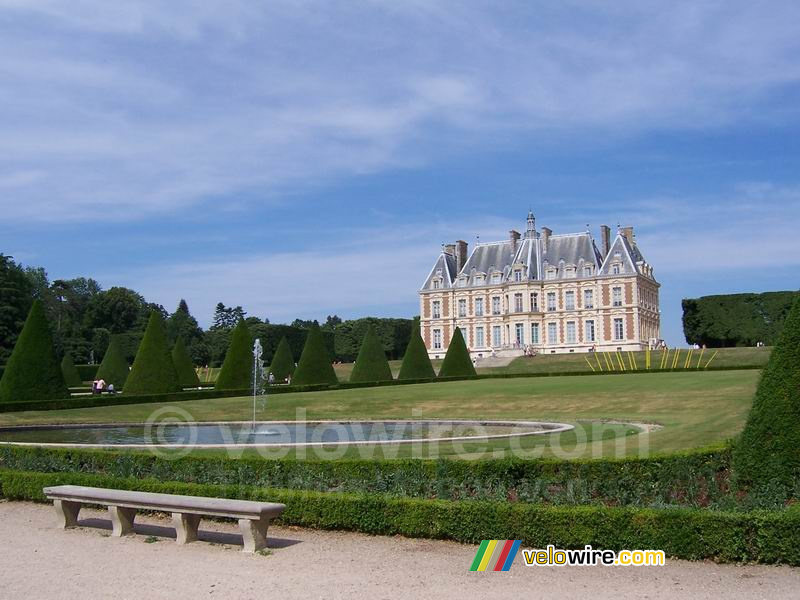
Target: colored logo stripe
pixel 495 555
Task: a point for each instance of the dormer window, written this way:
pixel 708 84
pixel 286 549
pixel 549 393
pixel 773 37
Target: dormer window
pixel 616 268
pixel 436 283
pixel 550 273
pixel 569 271
pixel 587 270
pixel 518 275
pixel 496 277
pixel 479 279
pixel 462 281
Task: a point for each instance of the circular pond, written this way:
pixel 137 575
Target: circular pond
pixel 177 434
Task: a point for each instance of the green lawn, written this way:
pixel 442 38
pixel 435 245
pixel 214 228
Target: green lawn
pixel 695 409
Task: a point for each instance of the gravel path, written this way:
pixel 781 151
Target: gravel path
pixel 39 561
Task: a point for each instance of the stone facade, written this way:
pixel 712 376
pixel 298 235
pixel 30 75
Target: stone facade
pixel 542 292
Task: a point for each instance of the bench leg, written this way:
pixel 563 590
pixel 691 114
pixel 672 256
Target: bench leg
pixel 121 520
pixel 67 513
pixel 185 527
pixel 254 534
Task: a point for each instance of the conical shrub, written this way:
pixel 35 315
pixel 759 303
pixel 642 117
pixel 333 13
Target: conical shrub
pixel 416 362
pixel 114 368
pixel 33 372
pixel 153 371
pixel 183 365
pixel 71 376
pixel 283 362
pixel 767 455
pixel 371 363
pixel 457 362
pixel 237 368
pixel 315 363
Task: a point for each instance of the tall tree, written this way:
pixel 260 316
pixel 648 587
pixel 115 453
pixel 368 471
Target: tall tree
pixel 315 363
pixel 118 309
pixel 237 370
pixel 282 365
pixel 371 364
pixel 16 296
pixel 183 365
pixel 153 371
pixel 182 325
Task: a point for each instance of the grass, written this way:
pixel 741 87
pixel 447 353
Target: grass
pixel 695 409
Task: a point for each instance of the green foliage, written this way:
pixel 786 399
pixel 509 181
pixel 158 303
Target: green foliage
pixel 183 365
pixel 767 455
pixel 70 373
pixel 457 362
pixel 33 372
pixel 118 309
pixel 769 537
pixel 393 334
pixel 181 324
pixel 283 362
pixel 315 362
pixel 237 369
pixel 15 302
pixel 114 368
pixel 153 371
pixel 416 362
pixel 736 319
pixel 87 372
pixel 371 364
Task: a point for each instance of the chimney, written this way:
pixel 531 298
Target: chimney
pixel 461 255
pixel 450 249
pixel 515 235
pixel 627 232
pixel 605 240
pixel 546 233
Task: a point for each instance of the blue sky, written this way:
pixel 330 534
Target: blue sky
pixel 309 158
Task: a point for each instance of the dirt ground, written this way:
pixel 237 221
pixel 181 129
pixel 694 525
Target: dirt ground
pixel 39 561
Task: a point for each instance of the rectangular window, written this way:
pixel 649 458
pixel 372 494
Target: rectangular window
pixel 517 275
pixel 497 334
pixel 464 335
pixel 616 269
pixel 569 272
pixel 569 300
pixel 572 336
pixel 479 280
pixel 437 309
pixel 519 332
pixel 534 302
pixel 495 277
pixel 588 298
pixel 552 333
pixel 437 284
pixel 518 303
pixel 589 330
pixel 534 333
pixel 462 307
pixel 495 305
pixel 551 301
pixel 587 271
pixel 619 330
pixel 478 307
pixel 550 274
pixel 616 296
pixel 480 342
pixel 437 339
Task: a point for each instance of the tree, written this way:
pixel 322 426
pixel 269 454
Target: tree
pixel 183 365
pixel 153 371
pixel 237 369
pixel 304 324
pixel 118 309
pixel 16 296
pixel 71 376
pixel 766 457
pixel 331 322
pixel 315 363
pixel 416 362
pixel 227 318
pixel 114 368
pixel 182 325
pixel 282 365
pixel 371 364
pixel 457 362
pixel 33 372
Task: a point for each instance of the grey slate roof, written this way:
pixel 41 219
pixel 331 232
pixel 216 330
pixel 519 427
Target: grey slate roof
pixel 576 249
pixel 628 254
pixel 445 267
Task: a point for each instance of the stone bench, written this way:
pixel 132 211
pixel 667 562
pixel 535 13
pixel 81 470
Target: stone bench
pixel 253 517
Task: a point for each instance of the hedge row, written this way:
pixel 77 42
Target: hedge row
pixel 769 537
pixel 697 479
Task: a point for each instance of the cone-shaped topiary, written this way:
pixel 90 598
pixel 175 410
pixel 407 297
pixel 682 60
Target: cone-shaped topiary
pixel 183 365
pixel 283 362
pixel 114 368
pixel 237 368
pixel 457 362
pixel 416 362
pixel 766 455
pixel 71 376
pixel 153 371
pixel 371 364
pixel 33 372
pixel 315 364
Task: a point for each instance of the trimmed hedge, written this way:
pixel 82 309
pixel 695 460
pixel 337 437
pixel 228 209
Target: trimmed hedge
pixel 416 362
pixel 87 372
pixel 457 361
pixel 70 373
pixel 33 372
pixel 237 368
pixel 114 368
pixel 768 453
pixel 371 364
pixel 183 365
pixel 152 371
pixel 769 537
pixel 282 365
pixel 315 365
